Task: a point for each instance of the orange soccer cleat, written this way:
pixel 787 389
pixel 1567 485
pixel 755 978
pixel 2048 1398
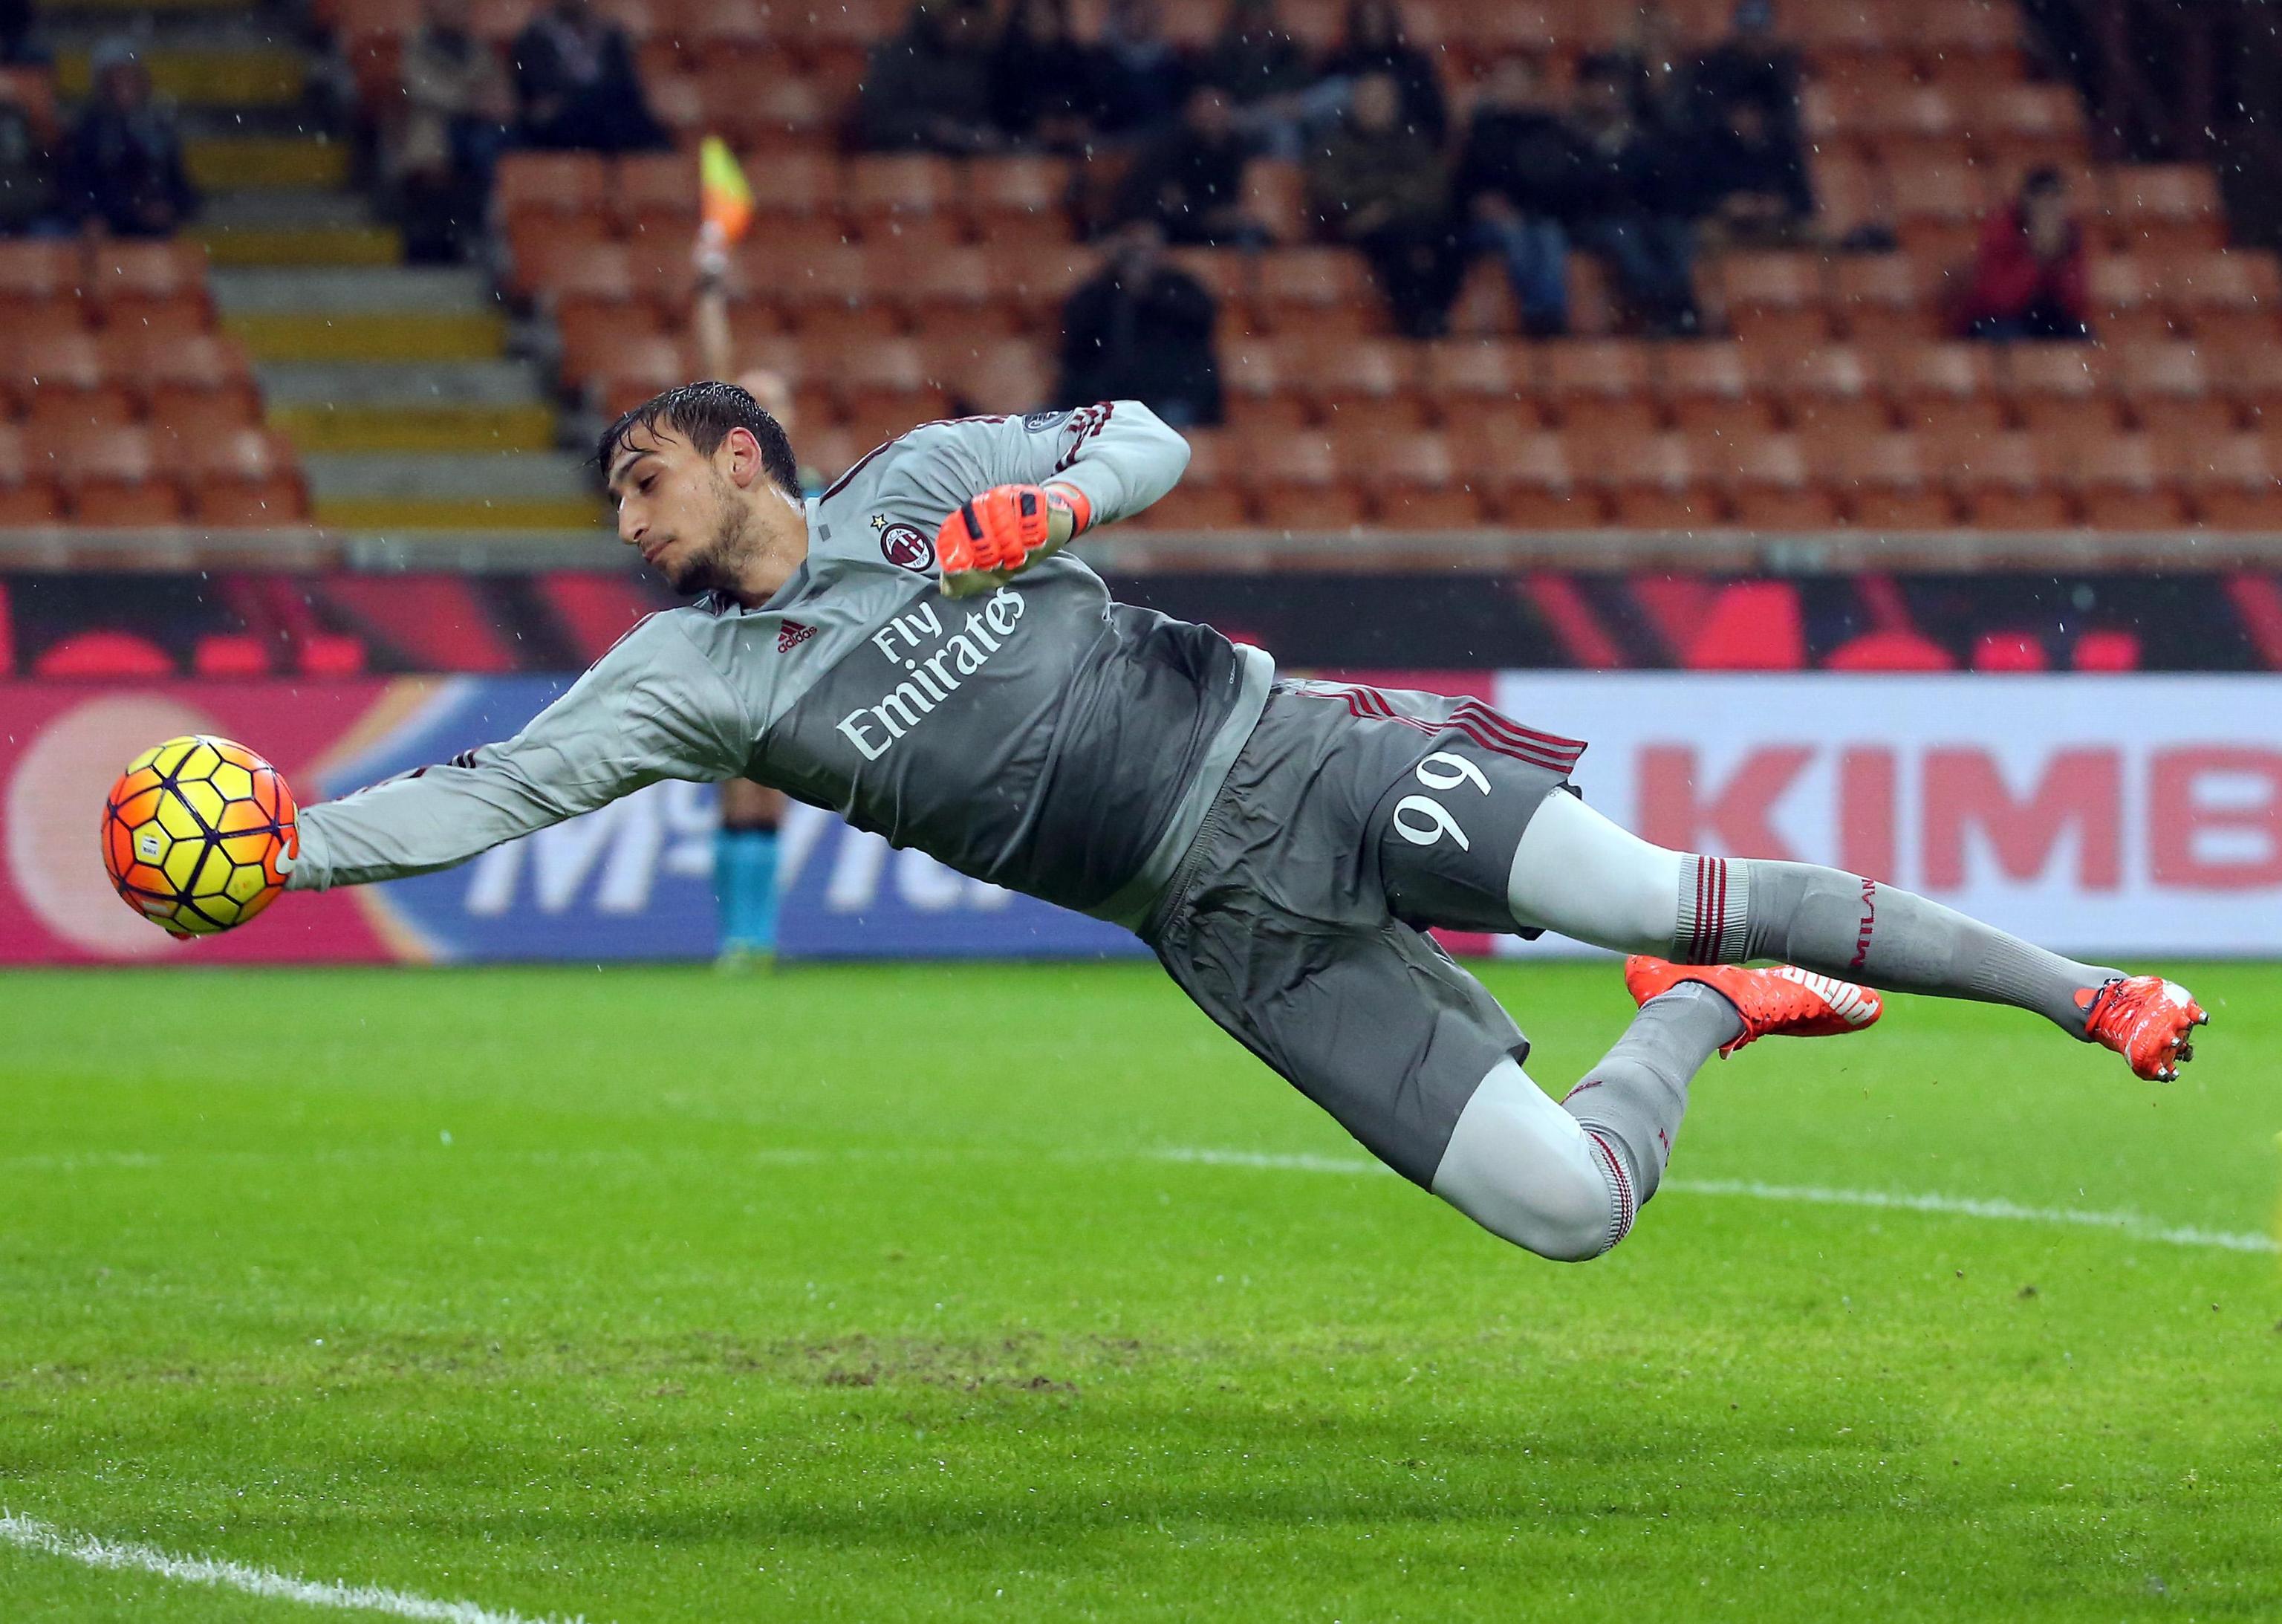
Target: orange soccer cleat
pixel 2148 1021
pixel 1782 1002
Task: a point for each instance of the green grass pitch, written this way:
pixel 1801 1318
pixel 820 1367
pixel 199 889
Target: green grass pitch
pixel 872 1294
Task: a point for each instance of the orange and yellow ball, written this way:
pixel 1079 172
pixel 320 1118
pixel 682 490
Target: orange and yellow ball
pixel 193 832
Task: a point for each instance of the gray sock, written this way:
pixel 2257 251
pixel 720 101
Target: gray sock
pixel 1632 1102
pixel 1840 924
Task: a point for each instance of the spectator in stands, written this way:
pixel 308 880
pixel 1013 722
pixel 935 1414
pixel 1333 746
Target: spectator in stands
pixel 125 163
pixel 1754 64
pixel 1633 209
pixel 1380 185
pixel 1521 177
pixel 2030 278
pixel 1190 179
pixel 1142 329
pixel 930 87
pixel 1042 78
pixel 1277 87
pixel 1752 178
pixel 1141 80
pixel 19 45
pixel 1377 43
pixel 454 123
pixel 27 170
pixel 576 85
pixel 1656 72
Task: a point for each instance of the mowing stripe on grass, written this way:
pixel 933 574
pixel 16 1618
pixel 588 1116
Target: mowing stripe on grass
pixel 31 1534
pixel 2133 1224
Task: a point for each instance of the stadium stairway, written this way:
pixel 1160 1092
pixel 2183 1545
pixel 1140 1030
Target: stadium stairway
pixel 395 385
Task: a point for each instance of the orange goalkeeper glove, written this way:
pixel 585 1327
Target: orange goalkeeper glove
pixel 995 534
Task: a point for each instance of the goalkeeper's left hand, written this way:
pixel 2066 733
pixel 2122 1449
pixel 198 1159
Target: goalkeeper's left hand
pixel 996 534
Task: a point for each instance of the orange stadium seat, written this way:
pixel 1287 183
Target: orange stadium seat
pixel 1298 483
pixel 1207 497
pixel 1260 385
pixel 1704 387
pixel 655 194
pixel 1767 481
pixel 1006 375
pixel 1275 193
pixel 1937 208
pixel 2120 484
pixel 40 286
pixel 2004 482
pixel 1831 388
pixel 1416 484
pixel 2167 390
pixel 2251 380
pixel 571 183
pixel 624 373
pixel 1364 386
pixel 205 373
pixel 1886 485
pixel 2228 299
pixel 245 476
pixel 154 288
pixel 1480 377
pixel 27 491
pixel 1948 387
pixel 953 288
pixel 886 376
pixel 1881 300
pixel 1599 386
pixel 1904 124
pixel 1774 300
pixel 1849 194
pixel 1531 482
pixel 1012 202
pixel 2233 483
pixel 1651 479
pixel 2126 303
pixel 2059 389
pixel 1315 291
pixel 2020 127
pixel 901 195
pixel 793 184
pixel 63 382
pixel 2169 206
pixel 1951 31
pixel 113 476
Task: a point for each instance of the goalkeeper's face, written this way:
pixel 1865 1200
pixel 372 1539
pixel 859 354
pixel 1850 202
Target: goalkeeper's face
pixel 684 511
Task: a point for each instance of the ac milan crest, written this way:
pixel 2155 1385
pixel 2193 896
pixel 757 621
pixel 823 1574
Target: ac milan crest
pixel 904 548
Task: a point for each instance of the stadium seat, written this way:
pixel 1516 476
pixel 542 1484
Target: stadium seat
pixel 1951 387
pixel 1885 484
pixel 1935 205
pixel 563 184
pixel 901 195
pixel 2127 304
pixel 2061 390
pixel 205 374
pixel 793 184
pixel 2020 127
pixel 1416 484
pixel 2167 390
pixel 1298 483
pixel 2234 483
pixel 2167 206
pixel 1320 292
pixel 1531 482
pixel 40 286
pixel 1261 386
pixel 656 196
pixel 113 476
pixel 1013 201
pixel 2250 377
pixel 1480 379
pixel 1365 385
pixel 1008 374
pixel 1765 481
pixel 954 288
pixel 63 383
pixel 1881 300
pixel 1275 193
pixel 2120 484
pixel 1833 389
pixel 1707 388
pixel 245 476
pixel 1774 300
pixel 1849 196
pixel 28 494
pixel 2228 299
pixel 1597 387
pixel 103 657
pixel 1651 479
pixel 155 289
pixel 2006 483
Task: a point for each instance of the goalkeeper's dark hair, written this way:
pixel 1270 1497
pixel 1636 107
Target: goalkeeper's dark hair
pixel 703 414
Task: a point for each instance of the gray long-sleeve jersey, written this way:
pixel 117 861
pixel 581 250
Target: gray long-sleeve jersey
pixel 1043 738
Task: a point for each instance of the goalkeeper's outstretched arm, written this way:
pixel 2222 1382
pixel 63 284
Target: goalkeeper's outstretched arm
pixel 652 708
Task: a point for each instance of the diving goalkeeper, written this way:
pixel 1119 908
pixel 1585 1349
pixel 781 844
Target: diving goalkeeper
pixel 914 651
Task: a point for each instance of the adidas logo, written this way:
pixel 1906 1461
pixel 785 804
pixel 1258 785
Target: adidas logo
pixel 793 635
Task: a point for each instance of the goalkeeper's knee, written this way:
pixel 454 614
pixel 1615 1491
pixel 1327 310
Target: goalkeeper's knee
pixel 1519 1166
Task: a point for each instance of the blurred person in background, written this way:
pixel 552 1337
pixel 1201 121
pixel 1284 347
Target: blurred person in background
pixel 1141 80
pixel 2030 275
pixel 1656 71
pixel 1520 179
pixel 1381 186
pixel 932 86
pixel 1042 78
pixel 1752 178
pixel 28 171
pixel 1375 43
pixel 576 85
pixel 1633 214
pixel 454 126
pixel 1190 180
pixel 19 42
pixel 1753 64
pixel 1273 79
pixel 1142 329
pixel 126 170
pixel 745 839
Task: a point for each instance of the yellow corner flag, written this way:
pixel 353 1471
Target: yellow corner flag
pixel 724 195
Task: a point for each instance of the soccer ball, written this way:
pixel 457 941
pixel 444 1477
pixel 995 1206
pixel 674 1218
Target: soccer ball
pixel 193 832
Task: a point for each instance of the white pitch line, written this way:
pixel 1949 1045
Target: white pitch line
pixel 2136 1225
pixel 31 1534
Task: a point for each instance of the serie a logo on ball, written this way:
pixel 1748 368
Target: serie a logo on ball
pixel 197 835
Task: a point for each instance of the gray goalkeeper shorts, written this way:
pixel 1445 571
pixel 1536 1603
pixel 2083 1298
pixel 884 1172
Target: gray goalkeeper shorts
pixel 1352 820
